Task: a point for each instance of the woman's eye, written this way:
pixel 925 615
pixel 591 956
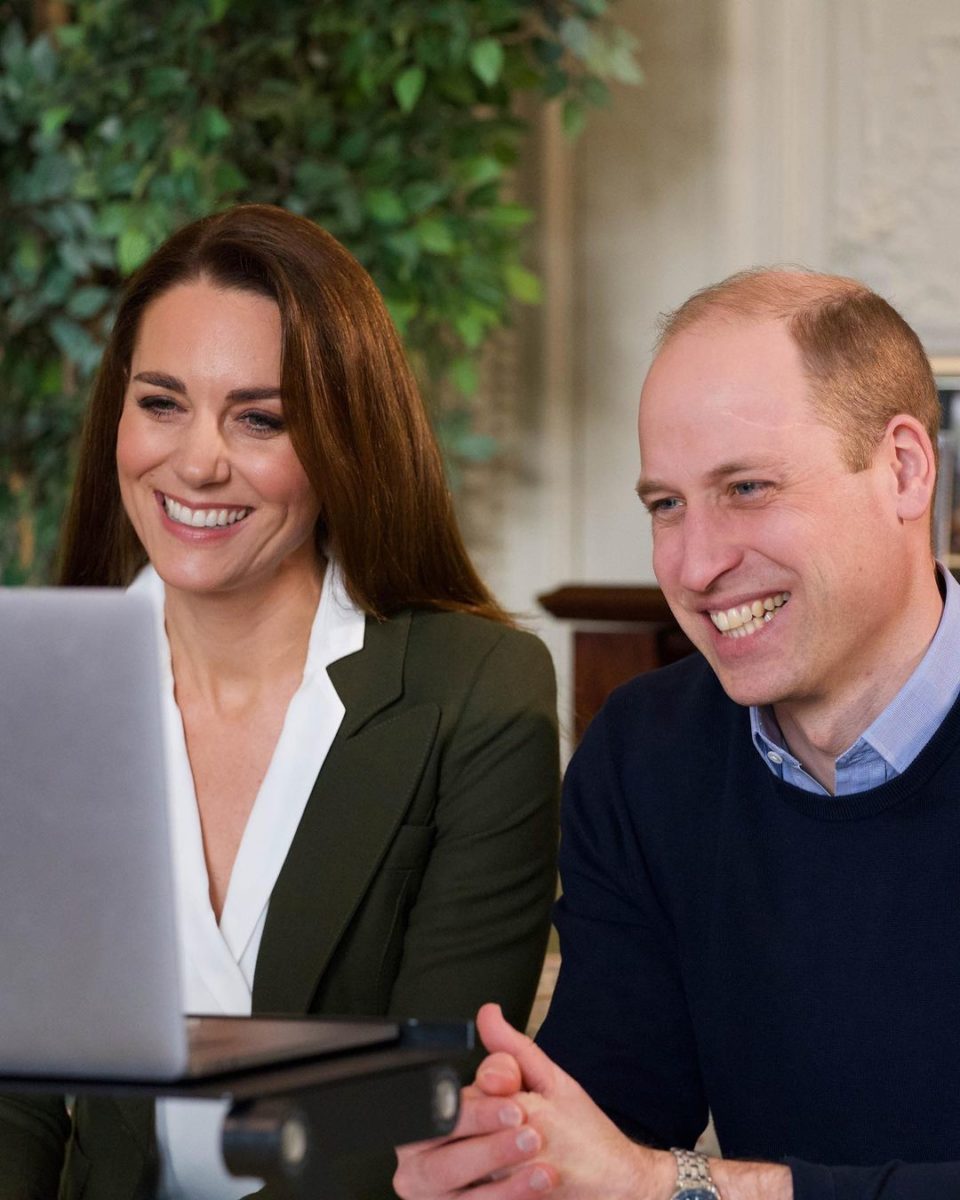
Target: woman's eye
pixel 160 406
pixel 262 422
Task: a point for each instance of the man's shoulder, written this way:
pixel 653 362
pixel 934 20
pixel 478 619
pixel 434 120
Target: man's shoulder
pixel 682 691
pixel 676 722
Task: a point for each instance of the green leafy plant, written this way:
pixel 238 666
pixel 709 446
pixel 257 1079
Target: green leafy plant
pixel 392 123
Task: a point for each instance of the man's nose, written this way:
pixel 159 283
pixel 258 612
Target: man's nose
pixel 202 456
pixel 710 546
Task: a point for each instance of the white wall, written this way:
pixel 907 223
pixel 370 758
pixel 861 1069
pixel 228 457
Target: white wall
pixel 818 131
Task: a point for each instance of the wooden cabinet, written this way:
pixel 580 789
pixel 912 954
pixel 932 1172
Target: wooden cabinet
pixel 618 632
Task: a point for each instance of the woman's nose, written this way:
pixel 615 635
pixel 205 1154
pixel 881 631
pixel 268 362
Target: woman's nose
pixel 202 456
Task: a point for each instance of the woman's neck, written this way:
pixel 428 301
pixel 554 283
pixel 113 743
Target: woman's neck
pixel 228 648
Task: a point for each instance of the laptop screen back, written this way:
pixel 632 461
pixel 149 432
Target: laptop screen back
pixel 89 985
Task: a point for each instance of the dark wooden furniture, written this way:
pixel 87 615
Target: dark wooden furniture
pixel 618 632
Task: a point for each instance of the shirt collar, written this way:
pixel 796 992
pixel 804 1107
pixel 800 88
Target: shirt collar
pixel 911 718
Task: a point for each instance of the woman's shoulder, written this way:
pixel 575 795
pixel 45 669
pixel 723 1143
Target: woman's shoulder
pixel 460 644
pixel 466 629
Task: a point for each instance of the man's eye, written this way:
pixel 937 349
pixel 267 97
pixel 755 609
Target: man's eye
pixel 749 487
pixel 663 507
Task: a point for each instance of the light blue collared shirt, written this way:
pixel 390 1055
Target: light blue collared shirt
pixel 890 744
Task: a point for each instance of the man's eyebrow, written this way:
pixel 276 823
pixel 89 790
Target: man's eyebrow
pixel 646 487
pixel 715 475
pixel 171 383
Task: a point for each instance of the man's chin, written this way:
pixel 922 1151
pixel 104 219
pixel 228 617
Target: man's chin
pixel 746 688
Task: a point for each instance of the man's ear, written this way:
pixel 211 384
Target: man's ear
pixel 914 464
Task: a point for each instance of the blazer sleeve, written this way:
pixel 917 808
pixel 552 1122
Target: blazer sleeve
pixel 477 930
pixel 33 1135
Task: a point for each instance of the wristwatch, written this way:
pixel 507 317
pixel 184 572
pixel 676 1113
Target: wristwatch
pixel 694 1181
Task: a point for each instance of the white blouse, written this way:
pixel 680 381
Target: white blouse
pixel 217 962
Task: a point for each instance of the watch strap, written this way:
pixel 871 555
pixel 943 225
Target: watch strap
pixel 693 1175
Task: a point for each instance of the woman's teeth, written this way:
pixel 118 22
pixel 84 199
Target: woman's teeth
pixel 199 518
pixel 745 619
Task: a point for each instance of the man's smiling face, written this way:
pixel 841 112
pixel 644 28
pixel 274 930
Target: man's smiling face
pixel 779 563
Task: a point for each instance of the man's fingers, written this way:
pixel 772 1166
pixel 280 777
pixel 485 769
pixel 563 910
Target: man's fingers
pixel 523 1183
pixel 438 1169
pixel 479 1113
pixel 500 1038
pixel 499 1075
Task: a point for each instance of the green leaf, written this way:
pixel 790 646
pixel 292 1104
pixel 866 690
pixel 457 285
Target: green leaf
pixel 214 124
pixel 574 118
pixel 28 259
pixel 182 158
pixel 476 447
pixel 86 186
pixel 510 216
pixel 405 246
pixel 75 342
pixel 486 60
pixel 53 120
pixel 403 310
pixel 227 179
pixel 408 86
pixel 475 172
pixel 471 327
pixel 434 236
pixel 596 92
pixel 86 302
pixel 576 35
pixel 69 37
pixel 422 195
pixel 522 284
pixel 218 9
pixel 133 248
pixel 165 81
pixel 385 206
pixel 464 376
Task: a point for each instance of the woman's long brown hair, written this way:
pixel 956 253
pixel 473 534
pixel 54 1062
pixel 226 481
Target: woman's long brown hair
pixel 355 416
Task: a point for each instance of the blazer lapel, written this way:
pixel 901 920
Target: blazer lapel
pixel 356 805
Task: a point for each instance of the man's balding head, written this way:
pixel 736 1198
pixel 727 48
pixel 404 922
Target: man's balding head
pixel 864 362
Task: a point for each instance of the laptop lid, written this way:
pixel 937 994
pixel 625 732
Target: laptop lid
pixel 89 984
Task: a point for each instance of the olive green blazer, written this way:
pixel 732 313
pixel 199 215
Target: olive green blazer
pixel 418 883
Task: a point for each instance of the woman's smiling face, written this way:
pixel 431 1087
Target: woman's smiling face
pixel 207 472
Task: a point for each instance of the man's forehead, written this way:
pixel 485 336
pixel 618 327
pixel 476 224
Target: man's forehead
pixel 720 363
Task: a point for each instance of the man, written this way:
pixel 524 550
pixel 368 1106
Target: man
pixel 760 846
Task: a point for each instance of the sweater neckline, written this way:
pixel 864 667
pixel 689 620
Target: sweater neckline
pixel 895 791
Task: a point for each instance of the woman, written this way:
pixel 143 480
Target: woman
pixel 362 750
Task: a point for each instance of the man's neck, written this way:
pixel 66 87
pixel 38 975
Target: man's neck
pixel 818 731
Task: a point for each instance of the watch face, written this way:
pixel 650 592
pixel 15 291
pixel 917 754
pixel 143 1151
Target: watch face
pixel 695 1193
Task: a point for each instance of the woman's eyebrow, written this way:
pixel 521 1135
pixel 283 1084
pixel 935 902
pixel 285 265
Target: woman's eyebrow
pixel 161 379
pixel 171 383
pixel 248 394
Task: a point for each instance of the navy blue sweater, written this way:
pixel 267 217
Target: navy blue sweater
pixel 790 961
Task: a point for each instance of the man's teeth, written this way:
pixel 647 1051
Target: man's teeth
pixel 199 518
pixel 744 619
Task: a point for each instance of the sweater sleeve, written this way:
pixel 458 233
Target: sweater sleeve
pixel 892 1181
pixel 619 1022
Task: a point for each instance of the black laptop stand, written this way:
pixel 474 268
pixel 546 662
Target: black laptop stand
pixel 292 1124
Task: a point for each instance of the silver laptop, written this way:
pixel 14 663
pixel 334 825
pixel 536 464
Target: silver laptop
pixel 89 983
